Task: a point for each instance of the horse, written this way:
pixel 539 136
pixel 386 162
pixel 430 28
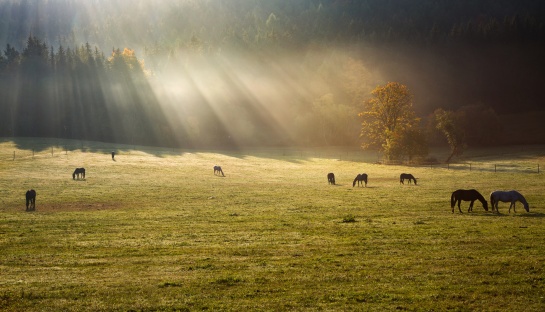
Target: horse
pixel 360 178
pixel 508 196
pixel 217 169
pixel 331 178
pixel 406 176
pixel 467 195
pixel 78 172
pixel 30 200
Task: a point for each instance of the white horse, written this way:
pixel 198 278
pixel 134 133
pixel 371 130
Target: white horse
pixel 508 196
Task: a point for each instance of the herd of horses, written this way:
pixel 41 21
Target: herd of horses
pixel 361 180
pixel 457 196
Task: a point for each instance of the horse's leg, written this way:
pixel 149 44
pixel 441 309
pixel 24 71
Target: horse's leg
pixel 470 206
pixel 459 202
pixel 512 205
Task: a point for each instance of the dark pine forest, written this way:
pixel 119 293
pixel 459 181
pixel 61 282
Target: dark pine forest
pixel 259 73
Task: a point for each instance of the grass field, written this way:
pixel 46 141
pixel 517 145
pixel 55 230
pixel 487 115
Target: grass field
pixel 155 230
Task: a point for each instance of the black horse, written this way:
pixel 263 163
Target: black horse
pixel 407 176
pixel 30 200
pixel 331 178
pixel 360 178
pixel 467 195
pixel 79 172
pixel 217 169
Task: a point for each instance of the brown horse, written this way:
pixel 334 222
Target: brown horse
pixel 360 178
pixel 78 172
pixel 407 176
pixel 30 200
pixel 467 195
pixel 331 178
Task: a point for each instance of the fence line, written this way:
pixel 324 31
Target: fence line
pixel 355 155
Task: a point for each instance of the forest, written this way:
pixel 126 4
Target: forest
pixel 216 73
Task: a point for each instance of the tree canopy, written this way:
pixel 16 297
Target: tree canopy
pixel 390 123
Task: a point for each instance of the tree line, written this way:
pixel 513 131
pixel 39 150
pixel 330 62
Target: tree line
pixel 76 93
pixel 260 23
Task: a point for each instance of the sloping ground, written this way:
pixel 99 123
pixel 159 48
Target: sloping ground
pixel 523 128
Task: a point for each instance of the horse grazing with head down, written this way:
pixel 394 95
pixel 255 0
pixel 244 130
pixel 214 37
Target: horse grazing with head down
pixel 217 169
pixel 360 178
pixel 30 200
pixel 506 197
pixel 331 178
pixel 79 172
pixel 467 195
pixel 407 176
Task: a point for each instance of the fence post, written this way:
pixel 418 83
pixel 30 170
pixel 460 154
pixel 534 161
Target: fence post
pixel 13 155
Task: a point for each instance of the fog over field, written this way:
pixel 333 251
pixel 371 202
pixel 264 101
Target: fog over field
pixel 229 73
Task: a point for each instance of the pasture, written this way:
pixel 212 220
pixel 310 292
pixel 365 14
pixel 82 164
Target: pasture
pixel 156 230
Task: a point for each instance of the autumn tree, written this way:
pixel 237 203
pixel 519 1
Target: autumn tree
pixel 389 123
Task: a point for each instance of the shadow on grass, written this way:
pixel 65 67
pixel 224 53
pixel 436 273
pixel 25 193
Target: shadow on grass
pixel 519 215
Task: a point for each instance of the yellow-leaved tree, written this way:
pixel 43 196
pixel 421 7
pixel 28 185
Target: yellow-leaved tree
pixel 390 124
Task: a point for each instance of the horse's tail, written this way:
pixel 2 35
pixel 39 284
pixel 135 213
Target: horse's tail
pixel 452 200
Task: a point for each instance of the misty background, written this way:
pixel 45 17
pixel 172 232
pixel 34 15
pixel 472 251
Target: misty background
pixel 215 73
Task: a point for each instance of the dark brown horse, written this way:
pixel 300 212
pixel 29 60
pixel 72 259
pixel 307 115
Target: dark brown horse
pixel 78 172
pixel 467 195
pixel 331 178
pixel 360 178
pixel 407 176
pixel 30 200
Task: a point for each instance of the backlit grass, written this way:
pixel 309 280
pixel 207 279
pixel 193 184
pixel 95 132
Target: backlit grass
pixel 156 230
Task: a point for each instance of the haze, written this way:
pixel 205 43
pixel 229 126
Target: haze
pixel 268 73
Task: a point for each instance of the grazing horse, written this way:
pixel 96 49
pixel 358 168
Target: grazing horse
pixel 30 200
pixel 331 178
pixel 508 196
pixel 406 176
pixel 217 169
pixel 78 172
pixel 360 178
pixel 467 195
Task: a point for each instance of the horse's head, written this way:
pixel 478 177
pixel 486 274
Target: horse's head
pixel 527 207
pixel 485 205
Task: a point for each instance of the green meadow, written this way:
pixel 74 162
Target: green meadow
pixel 156 230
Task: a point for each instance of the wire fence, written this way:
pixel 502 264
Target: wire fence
pixel 33 150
